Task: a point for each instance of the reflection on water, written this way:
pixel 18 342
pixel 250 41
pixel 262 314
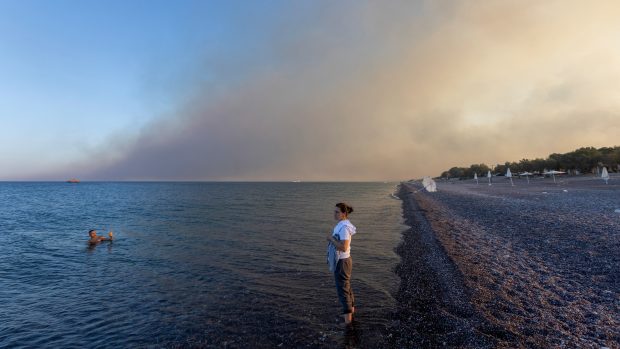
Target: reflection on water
pixel 351 337
pixel 193 264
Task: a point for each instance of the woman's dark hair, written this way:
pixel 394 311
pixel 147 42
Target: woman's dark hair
pixel 344 208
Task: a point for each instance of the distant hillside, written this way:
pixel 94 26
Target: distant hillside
pixel 584 160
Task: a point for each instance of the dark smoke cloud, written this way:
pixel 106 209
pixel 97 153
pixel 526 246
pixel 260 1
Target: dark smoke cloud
pixel 363 91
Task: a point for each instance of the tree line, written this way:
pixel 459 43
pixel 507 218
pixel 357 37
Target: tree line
pixel 583 160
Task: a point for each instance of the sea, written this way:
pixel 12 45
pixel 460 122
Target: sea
pixel 193 265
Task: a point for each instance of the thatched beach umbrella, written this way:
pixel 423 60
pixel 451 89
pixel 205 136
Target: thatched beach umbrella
pixel 605 175
pixel 509 175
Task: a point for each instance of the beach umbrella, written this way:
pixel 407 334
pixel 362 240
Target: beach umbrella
pixel 429 184
pixel 509 175
pixel 553 173
pixel 476 177
pixel 489 177
pixel 605 175
pixel 527 175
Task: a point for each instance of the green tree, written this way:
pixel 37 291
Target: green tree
pixel 583 159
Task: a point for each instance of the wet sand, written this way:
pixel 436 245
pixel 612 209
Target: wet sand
pixel 532 265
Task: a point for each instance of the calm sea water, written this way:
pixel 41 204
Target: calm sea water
pixel 234 265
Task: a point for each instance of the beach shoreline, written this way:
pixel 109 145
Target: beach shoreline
pixel 503 266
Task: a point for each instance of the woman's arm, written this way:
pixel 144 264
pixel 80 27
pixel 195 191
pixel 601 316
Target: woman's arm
pixel 342 245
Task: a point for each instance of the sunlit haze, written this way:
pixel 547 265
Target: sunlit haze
pixel 303 90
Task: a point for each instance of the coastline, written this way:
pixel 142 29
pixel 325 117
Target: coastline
pixel 502 266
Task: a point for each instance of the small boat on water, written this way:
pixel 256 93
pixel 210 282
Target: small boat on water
pixel 73 180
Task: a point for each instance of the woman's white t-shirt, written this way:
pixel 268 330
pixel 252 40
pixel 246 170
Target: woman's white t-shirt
pixel 344 230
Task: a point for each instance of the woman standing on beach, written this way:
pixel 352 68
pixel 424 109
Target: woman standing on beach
pixel 340 238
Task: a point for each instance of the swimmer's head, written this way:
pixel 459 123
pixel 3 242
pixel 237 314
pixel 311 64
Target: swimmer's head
pixel 92 233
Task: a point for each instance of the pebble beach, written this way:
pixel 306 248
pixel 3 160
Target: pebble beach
pixel 533 265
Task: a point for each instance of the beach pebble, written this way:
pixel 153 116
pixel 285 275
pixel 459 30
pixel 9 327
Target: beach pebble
pixel 517 253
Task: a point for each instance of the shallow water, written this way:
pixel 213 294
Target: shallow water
pixel 193 264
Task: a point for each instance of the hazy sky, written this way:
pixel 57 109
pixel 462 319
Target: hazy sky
pixel 310 90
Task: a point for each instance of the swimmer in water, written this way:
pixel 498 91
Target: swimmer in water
pixel 95 239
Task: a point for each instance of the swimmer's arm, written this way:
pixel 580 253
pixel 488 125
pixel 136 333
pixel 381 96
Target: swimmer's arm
pixel 101 238
pixel 97 240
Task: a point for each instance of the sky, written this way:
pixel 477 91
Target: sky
pixel 300 90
